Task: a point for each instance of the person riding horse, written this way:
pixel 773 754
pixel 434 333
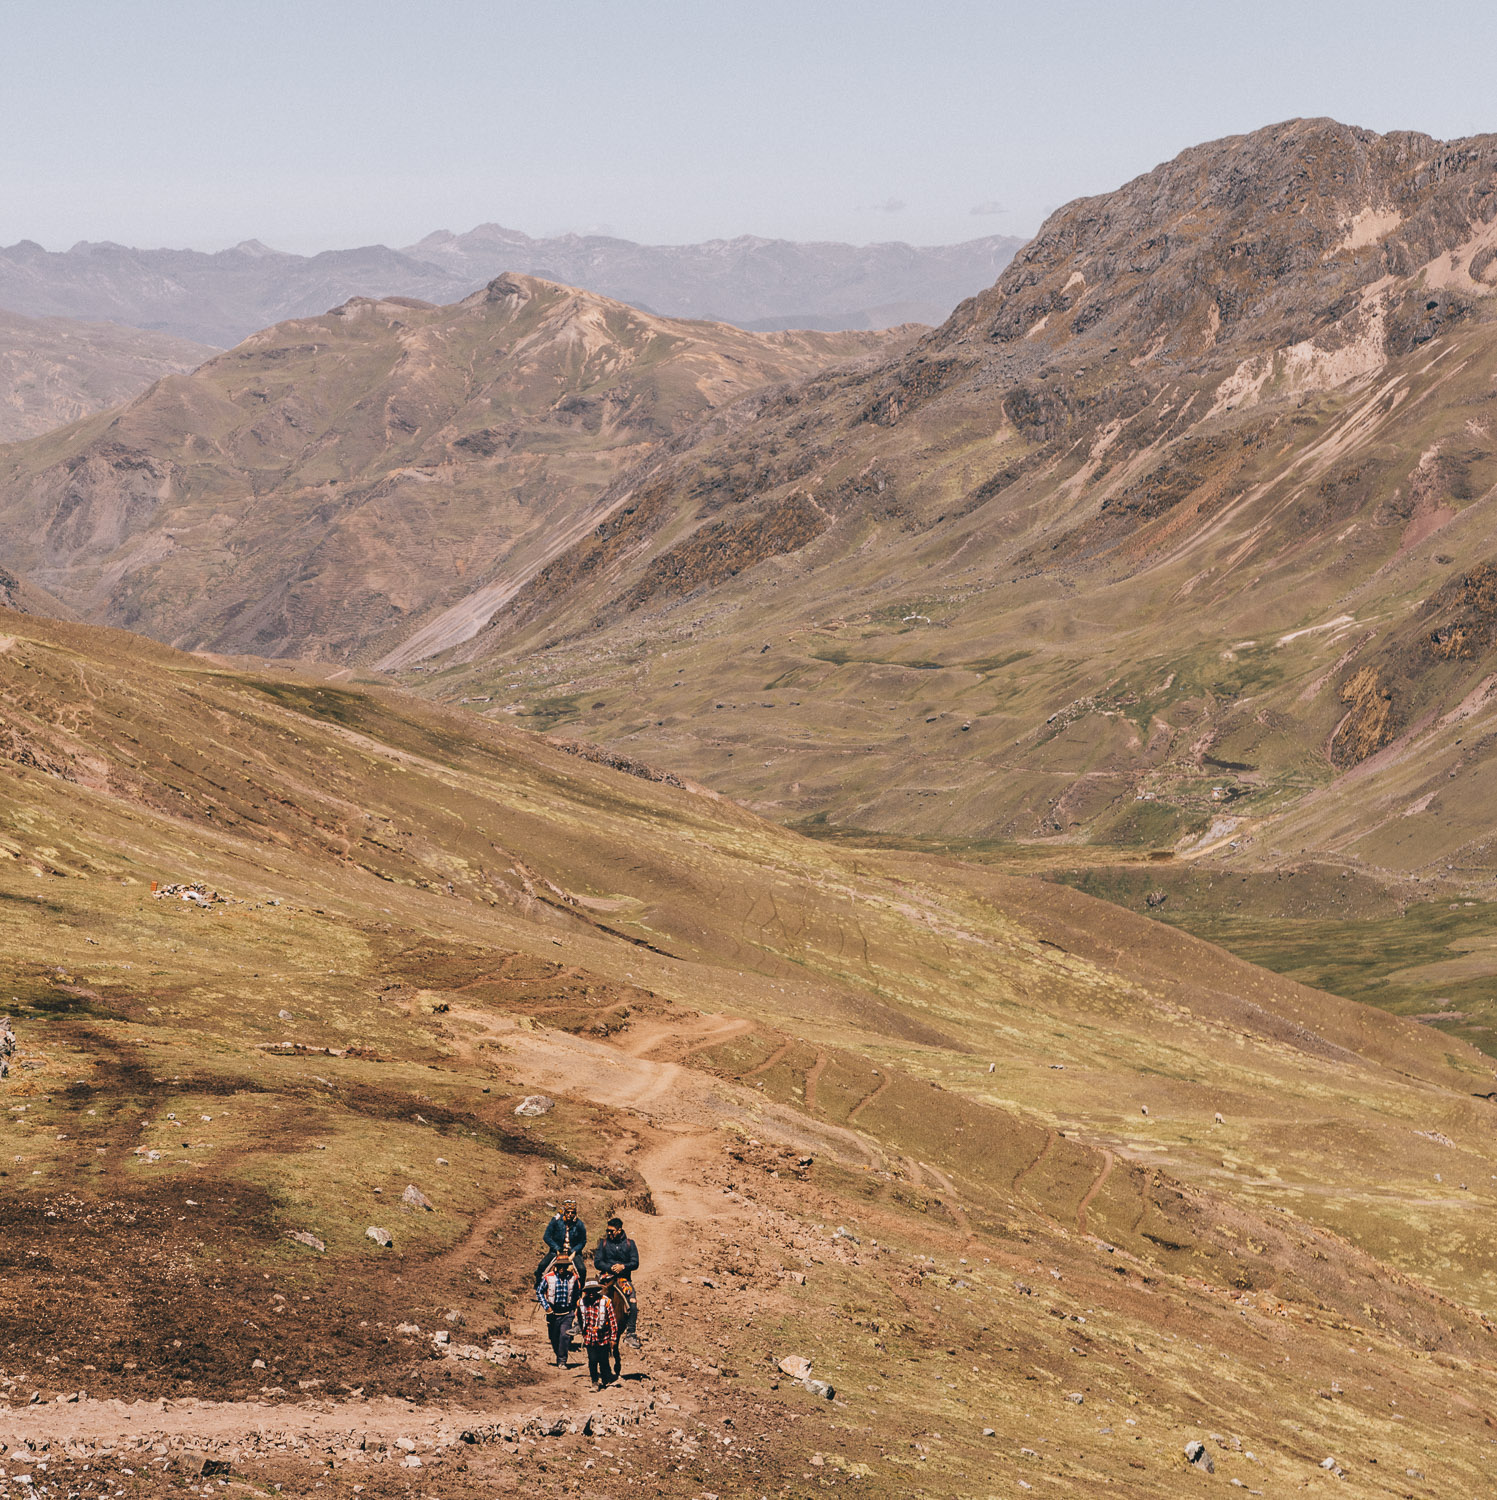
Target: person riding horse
pixel 566 1234
pixel 616 1258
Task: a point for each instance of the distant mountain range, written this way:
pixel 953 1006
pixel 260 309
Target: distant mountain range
pixel 759 284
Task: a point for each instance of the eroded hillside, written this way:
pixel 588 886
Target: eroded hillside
pixel 1176 539
pixel 1044 1191
pixel 327 486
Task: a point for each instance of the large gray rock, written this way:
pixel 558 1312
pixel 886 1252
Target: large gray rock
pixel 1196 1454
pixel 381 1237
pixel 415 1198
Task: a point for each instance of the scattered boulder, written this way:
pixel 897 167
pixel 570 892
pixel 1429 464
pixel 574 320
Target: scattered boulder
pixel 1195 1453
pixel 415 1198
pixel 203 1465
pixel 534 1104
pixel 408 1328
pixel 381 1237
pixel 819 1388
pixel 796 1367
pixel 1077 1397
pixel 305 1237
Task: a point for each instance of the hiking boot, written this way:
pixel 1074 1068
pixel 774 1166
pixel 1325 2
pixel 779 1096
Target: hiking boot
pixel 597 1386
pixel 632 1339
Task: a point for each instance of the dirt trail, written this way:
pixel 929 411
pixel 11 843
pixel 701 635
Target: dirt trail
pixel 813 1078
pixel 1095 1188
pixel 936 1178
pixel 676 1114
pixel 1044 1152
pixel 868 1099
pixel 771 1060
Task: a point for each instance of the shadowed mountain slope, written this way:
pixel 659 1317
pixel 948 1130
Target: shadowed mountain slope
pixel 55 370
pixel 1175 536
pixel 223 297
pixel 323 487
pixel 989 1154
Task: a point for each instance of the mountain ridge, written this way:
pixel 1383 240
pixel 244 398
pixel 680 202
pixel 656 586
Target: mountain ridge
pixel 1106 535
pixel 221 297
pixel 322 487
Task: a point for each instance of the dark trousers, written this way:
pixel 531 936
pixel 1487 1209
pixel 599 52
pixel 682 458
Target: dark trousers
pixel 559 1331
pixel 600 1362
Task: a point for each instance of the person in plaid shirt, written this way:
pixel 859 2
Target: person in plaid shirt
pixel 557 1293
pixel 600 1332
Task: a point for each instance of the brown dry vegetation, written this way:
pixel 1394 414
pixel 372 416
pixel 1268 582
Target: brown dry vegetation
pixel 771 1054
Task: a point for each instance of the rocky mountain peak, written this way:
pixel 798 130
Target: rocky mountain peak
pixel 1260 241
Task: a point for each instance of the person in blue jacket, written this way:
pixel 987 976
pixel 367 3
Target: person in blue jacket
pixel 566 1234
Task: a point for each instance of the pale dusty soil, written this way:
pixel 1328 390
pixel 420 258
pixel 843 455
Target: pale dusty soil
pixel 672 1113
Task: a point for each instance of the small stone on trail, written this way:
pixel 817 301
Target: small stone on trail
pixel 534 1104
pixel 415 1197
pixel 381 1237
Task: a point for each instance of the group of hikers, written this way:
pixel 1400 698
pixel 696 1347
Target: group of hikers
pixel 603 1310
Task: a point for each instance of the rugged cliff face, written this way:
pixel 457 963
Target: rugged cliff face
pixel 1115 554
pixel 320 489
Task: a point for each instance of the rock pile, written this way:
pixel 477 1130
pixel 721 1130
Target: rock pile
pixel 196 892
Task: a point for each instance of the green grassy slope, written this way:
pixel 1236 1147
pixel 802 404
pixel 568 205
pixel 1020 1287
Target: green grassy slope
pixel 426 917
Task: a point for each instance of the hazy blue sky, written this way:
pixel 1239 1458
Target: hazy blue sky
pixel 324 123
